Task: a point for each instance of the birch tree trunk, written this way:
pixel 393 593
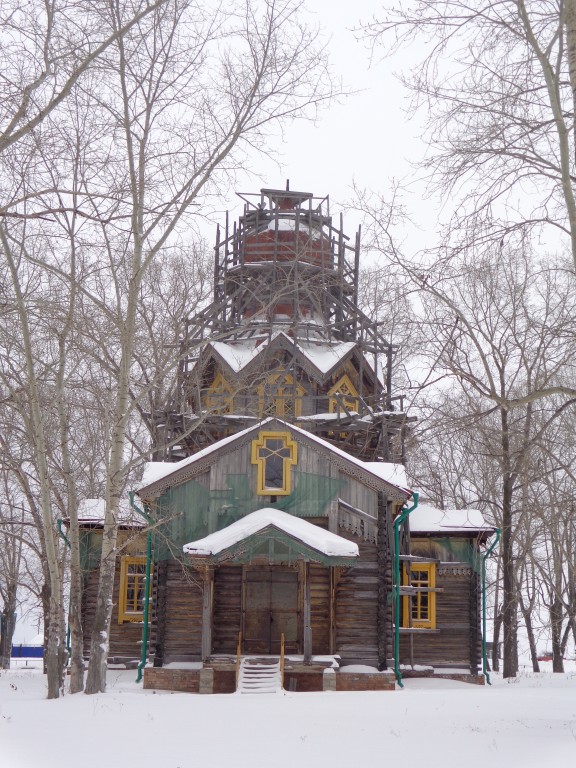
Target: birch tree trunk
pixel 221 84
pixel 37 438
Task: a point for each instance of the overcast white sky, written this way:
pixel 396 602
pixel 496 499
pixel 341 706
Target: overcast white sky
pixel 365 139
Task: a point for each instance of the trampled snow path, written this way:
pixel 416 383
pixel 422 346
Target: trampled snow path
pixel 529 723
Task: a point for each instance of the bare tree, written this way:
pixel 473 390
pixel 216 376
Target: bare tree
pixel 497 324
pixel 496 84
pixel 12 544
pixel 186 92
pixel 159 103
pixel 47 48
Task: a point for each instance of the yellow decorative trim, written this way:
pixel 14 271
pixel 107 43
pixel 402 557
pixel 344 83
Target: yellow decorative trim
pixel 131 590
pixel 280 397
pixel 220 396
pixel 419 610
pixel 274 452
pixel 348 395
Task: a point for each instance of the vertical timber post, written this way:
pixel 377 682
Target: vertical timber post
pixel 307 616
pixel 207 602
pixel 384 592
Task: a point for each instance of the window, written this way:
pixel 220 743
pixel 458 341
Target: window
pixel 132 589
pixel 343 395
pixel 419 609
pixel 280 396
pixel 220 396
pixel 274 453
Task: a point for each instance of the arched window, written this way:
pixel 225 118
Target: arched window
pixel 343 395
pixel 274 453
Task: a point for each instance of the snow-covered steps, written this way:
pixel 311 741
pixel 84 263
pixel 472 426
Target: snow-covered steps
pixel 259 675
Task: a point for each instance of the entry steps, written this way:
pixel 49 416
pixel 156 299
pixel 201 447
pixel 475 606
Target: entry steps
pixel 258 675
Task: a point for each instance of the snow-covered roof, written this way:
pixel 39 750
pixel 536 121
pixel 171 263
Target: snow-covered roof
pixel 429 519
pixel 324 356
pixel 237 355
pixel 93 511
pixel 154 471
pixel 157 470
pixel 395 474
pixel 319 539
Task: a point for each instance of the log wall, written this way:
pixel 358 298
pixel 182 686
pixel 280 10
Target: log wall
pixel 356 611
pixel 320 609
pixel 227 617
pixel 125 638
pixel 183 623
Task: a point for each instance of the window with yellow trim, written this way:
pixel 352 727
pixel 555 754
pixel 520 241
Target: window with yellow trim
pixel 132 589
pixel 274 454
pixel 419 609
pixel 280 396
pixel 343 395
pixel 220 396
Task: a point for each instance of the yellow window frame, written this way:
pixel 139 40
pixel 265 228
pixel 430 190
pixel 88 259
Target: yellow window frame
pixel 348 395
pixel 276 392
pixel 289 458
pixel 131 582
pixel 419 610
pixel 220 396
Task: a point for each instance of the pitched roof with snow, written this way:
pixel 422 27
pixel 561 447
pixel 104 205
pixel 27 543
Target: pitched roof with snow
pixel 429 519
pixel 323 541
pixel 324 356
pixel 92 512
pixel 392 474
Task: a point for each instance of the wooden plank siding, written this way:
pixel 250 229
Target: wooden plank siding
pixel 227 618
pixel 451 646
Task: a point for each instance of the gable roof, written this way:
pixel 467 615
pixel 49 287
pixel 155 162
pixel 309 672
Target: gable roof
pixel 323 541
pixel 321 356
pixel 160 475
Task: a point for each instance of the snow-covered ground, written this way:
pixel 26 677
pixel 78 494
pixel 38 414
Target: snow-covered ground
pixel 528 722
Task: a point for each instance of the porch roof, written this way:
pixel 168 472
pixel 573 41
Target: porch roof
pixel 311 542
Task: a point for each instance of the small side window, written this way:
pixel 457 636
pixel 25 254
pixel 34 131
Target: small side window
pixel 419 609
pixel 132 589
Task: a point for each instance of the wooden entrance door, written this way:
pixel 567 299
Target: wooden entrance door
pixel 270 610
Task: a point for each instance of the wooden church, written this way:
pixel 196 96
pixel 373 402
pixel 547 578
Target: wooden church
pixel 280 545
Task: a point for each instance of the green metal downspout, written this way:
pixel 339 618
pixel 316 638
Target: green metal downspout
pixel 397 523
pixel 498 531
pixel 68 644
pixel 141 512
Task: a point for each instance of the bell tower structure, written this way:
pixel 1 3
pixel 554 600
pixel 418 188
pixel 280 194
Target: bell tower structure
pixel 284 336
